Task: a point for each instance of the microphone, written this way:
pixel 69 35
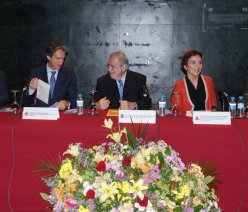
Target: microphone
pixel 25 88
pixel 222 94
pixel 145 91
pixel 224 100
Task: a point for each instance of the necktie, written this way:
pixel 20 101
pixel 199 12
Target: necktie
pixel 52 83
pixel 120 88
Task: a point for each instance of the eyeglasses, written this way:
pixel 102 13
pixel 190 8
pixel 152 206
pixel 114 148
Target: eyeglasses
pixel 109 65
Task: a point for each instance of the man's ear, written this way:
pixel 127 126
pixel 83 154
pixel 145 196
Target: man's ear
pixel 124 67
pixel 48 57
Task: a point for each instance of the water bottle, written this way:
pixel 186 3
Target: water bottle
pixel 232 107
pixel 241 107
pixel 80 104
pixel 161 106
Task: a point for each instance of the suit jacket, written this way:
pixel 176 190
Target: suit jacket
pixel 185 103
pixel 4 95
pixel 134 90
pixel 65 87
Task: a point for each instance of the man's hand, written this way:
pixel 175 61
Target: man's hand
pixel 33 84
pixel 62 105
pixel 102 104
pixel 125 105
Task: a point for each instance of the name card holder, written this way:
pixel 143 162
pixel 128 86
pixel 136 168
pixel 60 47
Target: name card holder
pixel 208 117
pixel 40 113
pixel 137 116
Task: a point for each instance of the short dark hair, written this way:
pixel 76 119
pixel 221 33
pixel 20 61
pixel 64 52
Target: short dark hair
pixel 54 47
pixel 186 57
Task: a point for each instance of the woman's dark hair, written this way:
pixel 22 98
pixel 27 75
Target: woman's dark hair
pixel 186 57
pixel 53 48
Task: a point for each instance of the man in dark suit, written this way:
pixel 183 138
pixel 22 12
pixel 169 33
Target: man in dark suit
pixel 121 88
pixel 4 97
pixel 63 85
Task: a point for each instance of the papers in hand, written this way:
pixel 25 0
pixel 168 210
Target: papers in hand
pixel 43 91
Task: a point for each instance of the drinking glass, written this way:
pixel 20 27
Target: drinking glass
pixel 15 105
pixel 175 109
pixel 92 108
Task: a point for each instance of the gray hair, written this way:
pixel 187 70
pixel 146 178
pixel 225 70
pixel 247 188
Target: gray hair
pixel 121 56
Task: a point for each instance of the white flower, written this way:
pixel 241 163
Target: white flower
pixel 108 123
pixel 73 150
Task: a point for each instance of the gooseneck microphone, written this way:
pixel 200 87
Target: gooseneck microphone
pixel 145 91
pixel 224 100
pixel 25 89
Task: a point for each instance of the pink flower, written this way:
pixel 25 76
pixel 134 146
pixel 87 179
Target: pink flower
pixel 119 174
pixel 71 202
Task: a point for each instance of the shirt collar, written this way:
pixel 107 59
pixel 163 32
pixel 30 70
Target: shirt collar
pixel 49 70
pixel 123 78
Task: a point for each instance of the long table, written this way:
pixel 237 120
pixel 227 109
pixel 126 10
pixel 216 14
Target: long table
pixel 24 143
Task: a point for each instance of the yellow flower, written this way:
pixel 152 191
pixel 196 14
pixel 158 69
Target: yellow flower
pixel 108 123
pixel 73 150
pixel 137 188
pixel 107 191
pixel 65 170
pixel 116 136
pixel 125 186
pixel 83 209
pixel 184 192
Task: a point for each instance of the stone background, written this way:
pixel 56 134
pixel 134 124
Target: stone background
pixel 154 35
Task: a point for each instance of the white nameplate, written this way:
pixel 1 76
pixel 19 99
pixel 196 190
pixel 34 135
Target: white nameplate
pixel 41 113
pixel 137 116
pixel 208 117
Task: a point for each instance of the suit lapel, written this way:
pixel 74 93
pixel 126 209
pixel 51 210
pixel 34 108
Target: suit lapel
pixel 44 75
pixel 58 83
pixel 114 89
pixel 127 85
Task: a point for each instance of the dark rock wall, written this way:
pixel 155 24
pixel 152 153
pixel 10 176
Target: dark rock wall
pixel 154 34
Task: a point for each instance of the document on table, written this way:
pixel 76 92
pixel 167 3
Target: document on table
pixel 43 91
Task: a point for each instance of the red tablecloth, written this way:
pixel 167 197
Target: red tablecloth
pixel 23 143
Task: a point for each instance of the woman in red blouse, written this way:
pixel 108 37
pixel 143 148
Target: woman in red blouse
pixel 196 90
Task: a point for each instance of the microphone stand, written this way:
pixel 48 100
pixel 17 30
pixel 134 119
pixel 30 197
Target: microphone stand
pixel 24 89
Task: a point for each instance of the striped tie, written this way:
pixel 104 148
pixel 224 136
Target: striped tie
pixel 120 88
pixel 52 83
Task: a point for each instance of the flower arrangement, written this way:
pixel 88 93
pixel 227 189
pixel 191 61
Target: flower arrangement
pixel 133 175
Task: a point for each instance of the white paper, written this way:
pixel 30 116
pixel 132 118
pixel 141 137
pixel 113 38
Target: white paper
pixel 40 113
pixel 56 105
pixel 208 117
pixel 137 116
pixel 43 91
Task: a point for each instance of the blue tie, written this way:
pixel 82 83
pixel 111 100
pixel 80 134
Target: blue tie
pixel 52 83
pixel 120 88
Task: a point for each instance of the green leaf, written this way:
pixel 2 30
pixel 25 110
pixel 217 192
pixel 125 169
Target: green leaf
pixel 44 196
pixel 161 158
pixel 153 159
pixel 49 165
pixel 167 151
pixel 131 139
pixel 198 208
pixel 208 179
pixel 110 151
pixel 144 131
